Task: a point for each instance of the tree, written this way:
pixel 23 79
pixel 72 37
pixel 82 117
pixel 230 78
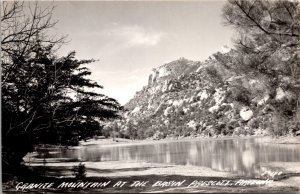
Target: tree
pixel 132 129
pixel 265 28
pixel 22 25
pixel 268 39
pixel 45 98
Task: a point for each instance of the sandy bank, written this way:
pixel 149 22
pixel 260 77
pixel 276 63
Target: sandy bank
pixel 128 168
pixel 290 173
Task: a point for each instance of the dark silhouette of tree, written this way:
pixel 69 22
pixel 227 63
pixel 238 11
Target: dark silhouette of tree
pixel 46 99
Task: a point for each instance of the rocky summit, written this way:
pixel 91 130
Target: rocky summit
pixel 216 97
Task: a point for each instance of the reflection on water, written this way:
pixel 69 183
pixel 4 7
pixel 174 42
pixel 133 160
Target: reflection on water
pixel 235 155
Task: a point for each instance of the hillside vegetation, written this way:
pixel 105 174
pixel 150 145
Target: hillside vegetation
pixel 212 98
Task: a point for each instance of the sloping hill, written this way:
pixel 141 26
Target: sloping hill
pixel 211 98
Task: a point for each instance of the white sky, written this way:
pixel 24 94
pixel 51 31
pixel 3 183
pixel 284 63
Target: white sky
pixel 130 38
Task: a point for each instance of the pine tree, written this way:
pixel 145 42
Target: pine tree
pixel 268 42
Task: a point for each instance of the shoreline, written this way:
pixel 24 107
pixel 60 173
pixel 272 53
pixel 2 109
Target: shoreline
pixel 128 142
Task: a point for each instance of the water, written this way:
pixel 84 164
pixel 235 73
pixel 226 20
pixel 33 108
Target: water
pixel 241 155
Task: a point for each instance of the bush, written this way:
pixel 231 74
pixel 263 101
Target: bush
pixel 294 127
pixel 79 171
pixel 207 132
pixel 230 126
pixel 220 128
pixel 278 126
pixel 239 131
pixel 253 123
pixel 213 72
pixel 240 94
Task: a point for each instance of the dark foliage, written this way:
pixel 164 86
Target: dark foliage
pixel 46 99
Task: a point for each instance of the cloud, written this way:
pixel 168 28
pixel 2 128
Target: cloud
pixel 133 36
pixel 115 37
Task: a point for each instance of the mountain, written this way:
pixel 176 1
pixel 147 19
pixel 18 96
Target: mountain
pixel 216 97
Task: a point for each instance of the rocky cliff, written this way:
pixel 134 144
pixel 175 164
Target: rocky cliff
pixel 212 98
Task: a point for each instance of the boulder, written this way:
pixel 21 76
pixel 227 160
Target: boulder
pixel 263 100
pixel 246 114
pixel 280 94
pixel 167 110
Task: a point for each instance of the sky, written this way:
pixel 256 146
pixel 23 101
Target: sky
pixel 130 38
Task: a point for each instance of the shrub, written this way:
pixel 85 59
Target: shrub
pixel 79 171
pixel 239 131
pixel 253 123
pixel 240 94
pixel 213 72
pixel 220 128
pixel 294 127
pixel 207 132
pixel 278 126
pixel 230 126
